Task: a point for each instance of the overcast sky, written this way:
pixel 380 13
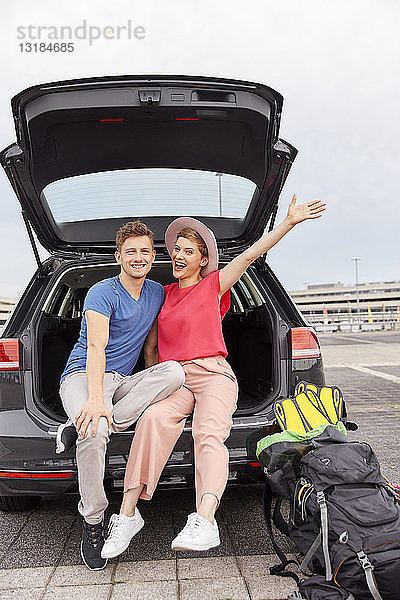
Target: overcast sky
pixel 335 63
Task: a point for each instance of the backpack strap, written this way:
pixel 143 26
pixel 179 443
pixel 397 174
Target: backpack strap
pixel 276 569
pixel 369 574
pixel 311 551
pixel 324 531
pixel 277 518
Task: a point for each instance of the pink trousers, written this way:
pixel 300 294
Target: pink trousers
pixel 210 392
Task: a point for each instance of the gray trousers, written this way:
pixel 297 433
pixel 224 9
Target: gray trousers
pixel 126 398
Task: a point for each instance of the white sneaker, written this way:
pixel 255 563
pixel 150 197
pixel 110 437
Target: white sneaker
pixel 198 534
pixel 121 530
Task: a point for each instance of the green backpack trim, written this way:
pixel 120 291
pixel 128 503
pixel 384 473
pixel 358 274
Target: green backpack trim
pixel 292 436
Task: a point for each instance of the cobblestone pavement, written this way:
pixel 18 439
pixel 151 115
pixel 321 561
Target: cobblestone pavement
pixel 39 550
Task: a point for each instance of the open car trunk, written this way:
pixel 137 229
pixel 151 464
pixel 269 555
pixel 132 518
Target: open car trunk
pixel 247 330
pixel 92 154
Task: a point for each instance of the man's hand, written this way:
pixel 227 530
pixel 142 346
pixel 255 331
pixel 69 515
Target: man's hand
pixel 91 412
pixel 310 210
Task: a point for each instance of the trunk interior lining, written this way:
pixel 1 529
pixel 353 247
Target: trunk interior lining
pixel 247 332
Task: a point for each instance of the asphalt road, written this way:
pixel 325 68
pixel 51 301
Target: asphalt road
pixel 345 339
pixel 365 366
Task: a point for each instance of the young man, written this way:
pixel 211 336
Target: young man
pixel 98 392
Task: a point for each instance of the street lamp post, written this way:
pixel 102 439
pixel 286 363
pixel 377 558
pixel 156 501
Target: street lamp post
pixel 219 175
pixel 357 290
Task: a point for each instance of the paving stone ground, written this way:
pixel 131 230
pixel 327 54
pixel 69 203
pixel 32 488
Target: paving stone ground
pixel 39 550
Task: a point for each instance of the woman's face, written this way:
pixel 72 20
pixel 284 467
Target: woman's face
pixel 187 260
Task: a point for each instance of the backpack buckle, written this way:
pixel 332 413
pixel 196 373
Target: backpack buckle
pixel 364 561
pixel 344 537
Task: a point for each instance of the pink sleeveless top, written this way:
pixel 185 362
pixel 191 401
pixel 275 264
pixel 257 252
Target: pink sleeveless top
pixel 189 323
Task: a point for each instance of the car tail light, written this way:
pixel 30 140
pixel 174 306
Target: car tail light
pixel 304 343
pixel 36 475
pixel 9 355
pixel 254 464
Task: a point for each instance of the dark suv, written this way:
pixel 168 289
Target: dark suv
pixel 92 154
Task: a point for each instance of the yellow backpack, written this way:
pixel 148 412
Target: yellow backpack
pixel 310 407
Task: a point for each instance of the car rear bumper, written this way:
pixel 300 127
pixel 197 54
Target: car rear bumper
pixel 30 466
pixel 60 482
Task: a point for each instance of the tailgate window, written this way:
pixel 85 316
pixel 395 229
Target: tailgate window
pixel 147 193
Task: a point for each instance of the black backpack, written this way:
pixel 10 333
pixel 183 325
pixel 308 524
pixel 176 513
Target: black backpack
pixel 317 588
pixel 344 516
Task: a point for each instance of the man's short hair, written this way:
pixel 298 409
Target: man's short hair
pixel 132 229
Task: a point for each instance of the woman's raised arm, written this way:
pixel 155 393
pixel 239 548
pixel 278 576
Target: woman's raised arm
pixel 232 272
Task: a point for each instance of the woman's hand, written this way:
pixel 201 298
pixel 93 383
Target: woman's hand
pixel 296 214
pixel 310 210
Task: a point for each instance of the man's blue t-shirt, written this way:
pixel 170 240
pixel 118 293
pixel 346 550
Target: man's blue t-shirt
pixel 130 322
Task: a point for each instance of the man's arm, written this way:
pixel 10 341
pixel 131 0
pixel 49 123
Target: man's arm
pixel 151 346
pixel 232 272
pixel 97 339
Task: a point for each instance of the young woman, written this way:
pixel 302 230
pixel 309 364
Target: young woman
pixel 190 331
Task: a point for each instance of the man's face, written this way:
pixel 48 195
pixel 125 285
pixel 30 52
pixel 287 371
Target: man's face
pixel 136 256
